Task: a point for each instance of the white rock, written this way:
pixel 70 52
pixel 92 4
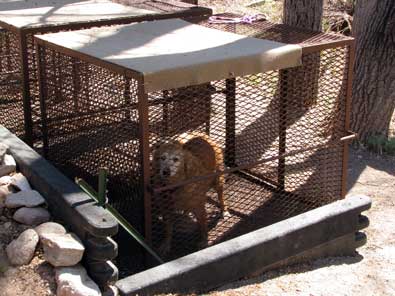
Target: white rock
pixel 8 165
pixel 31 216
pixel 74 281
pixel 3 151
pixel 21 250
pixel 49 227
pixel 5 180
pixel 19 181
pixel 29 199
pixel 62 249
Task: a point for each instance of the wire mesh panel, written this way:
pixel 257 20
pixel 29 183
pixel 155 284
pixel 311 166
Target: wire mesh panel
pixel 11 106
pixel 221 158
pixel 254 121
pixel 90 121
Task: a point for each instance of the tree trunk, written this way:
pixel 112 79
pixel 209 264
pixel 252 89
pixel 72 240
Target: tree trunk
pixel 305 14
pixel 374 72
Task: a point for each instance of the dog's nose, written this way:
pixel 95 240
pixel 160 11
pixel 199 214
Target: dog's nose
pixel 166 172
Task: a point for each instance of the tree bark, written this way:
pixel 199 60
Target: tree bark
pixel 305 14
pixel 374 72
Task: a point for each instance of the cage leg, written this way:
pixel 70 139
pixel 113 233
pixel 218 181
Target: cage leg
pixel 27 107
pixel 351 61
pixel 230 123
pixel 42 95
pixel 145 158
pixel 210 89
pixel 282 128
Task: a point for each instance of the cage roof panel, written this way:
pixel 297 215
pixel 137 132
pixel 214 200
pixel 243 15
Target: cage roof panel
pixel 39 13
pixel 175 53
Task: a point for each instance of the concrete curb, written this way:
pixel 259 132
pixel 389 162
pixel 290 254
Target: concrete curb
pixel 322 231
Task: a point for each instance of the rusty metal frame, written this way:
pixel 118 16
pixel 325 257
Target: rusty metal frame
pixel 42 102
pixel 245 171
pixel 26 89
pixel 142 107
pixel 145 154
pixel 230 122
pixel 350 75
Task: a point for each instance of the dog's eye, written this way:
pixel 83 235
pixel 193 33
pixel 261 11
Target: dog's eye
pixel 175 159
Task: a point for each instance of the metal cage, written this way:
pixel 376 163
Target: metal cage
pixel 19 96
pixel 282 133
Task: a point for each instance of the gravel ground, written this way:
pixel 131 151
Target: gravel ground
pixel 35 279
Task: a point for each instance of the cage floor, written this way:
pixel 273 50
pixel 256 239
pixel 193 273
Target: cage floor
pixel 251 203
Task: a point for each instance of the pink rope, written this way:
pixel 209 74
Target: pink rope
pixel 247 19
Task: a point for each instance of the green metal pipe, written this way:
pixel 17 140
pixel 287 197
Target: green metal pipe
pixel 117 216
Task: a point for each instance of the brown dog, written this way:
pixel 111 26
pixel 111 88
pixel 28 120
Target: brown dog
pixel 194 155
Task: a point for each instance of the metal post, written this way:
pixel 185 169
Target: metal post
pixel 27 108
pixel 145 156
pixel 282 128
pixel 43 96
pixel 230 140
pixel 351 60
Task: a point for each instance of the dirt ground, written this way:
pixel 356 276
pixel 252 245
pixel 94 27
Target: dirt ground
pixel 272 9
pixel 372 272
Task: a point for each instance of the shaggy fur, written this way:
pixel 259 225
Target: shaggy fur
pixel 194 155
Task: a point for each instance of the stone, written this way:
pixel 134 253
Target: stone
pixel 8 165
pixel 3 151
pixel 31 216
pixel 5 180
pixel 20 182
pixel 4 262
pixel 49 227
pixel 7 225
pixel 62 249
pixel 21 250
pixel 74 281
pixel 4 192
pixel 29 199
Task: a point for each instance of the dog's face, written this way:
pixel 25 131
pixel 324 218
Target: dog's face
pixel 169 161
